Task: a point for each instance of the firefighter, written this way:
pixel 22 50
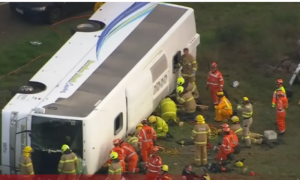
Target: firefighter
pixel 137 130
pixel 164 173
pixel 247 112
pixel 68 162
pixel 25 163
pixel 200 135
pixel 131 158
pixel 189 66
pixel 133 141
pixel 188 86
pixel 255 138
pixel 186 99
pixel 223 111
pixel 168 110
pixel 279 84
pixel 147 138
pixel 159 125
pixel 120 151
pixel 154 164
pixel 225 149
pixel 215 82
pixel 281 105
pixel 115 168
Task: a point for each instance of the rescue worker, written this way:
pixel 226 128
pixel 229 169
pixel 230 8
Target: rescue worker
pixel 188 86
pixel 133 141
pixel 138 128
pixel 131 158
pixel 188 174
pixel 279 84
pixel 168 110
pixel 154 164
pixel 186 99
pixel 215 82
pixel 68 162
pixel 115 168
pixel 247 112
pixel 25 163
pixel 223 111
pixel 189 66
pixel 120 151
pixel 281 105
pixel 234 140
pixel 159 125
pixel 164 173
pixel 147 138
pixel 255 138
pixel 225 149
pixel 200 135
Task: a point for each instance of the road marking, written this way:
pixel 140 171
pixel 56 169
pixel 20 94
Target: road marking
pixel 3 3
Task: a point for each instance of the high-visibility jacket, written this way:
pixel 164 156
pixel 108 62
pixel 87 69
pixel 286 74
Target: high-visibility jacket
pixel 224 104
pixel 167 107
pixel 234 140
pixel 275 94
pixel 115 170
pixel 247 110
pixel 154 164
pixel 215 79
pixel 133 141
pixel 160 126
pixel 237 129
pixel 128 150
pixel 68 163
pixel 200 134
pixel 147 135
pixel 226 145
pixel 188 102
pixel 26 164
pixel 120 151
pixel 281 104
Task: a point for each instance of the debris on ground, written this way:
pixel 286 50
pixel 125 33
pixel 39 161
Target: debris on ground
pixel 35 43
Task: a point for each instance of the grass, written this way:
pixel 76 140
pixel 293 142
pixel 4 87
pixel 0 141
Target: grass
pixel 241 38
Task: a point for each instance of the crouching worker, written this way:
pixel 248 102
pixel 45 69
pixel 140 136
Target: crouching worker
pixel 115 168
pixel 153 165
pixel 223 110
pixel 187 102
pixel 120 151
pixel 164 173
pixel 67 164
pixel 131 158
pixel 225 149
pixel 133 141
pixel 160 126
pixel 168 111
pixel 234 140
pixel 137 130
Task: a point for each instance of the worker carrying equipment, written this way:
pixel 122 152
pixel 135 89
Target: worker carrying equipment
pixel 131 158
pixel 164 175
pixel 120 151
pixel 153 165
pixel 279 84
pixel 188 86
pixel 137 130
pixel 147 138
pixel 189 66
pixel 225 149
pixel 281 105
pixel 168 110
pixel 159 125
pixel 186 99
pixel 25 163
pixel 223 111
pixel 247 112
pixel 115 168
pixel 68 161
pixel 200 135
pixel 215 82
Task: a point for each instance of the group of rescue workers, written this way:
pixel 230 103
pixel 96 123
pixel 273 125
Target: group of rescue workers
pixel 143 140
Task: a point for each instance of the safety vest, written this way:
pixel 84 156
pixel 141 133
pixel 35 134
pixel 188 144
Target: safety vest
pixel 147 134
pixel 215 79
pixel 275 94
pixel 168 107
pixel 154 164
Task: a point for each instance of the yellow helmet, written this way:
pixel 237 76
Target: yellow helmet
pixel 179 89
pixel 205 176
pixel 220 93
pixel 165 168
pixel 200 118
pixel 27 149
pixel 235 119
pixel 239 164
pixel 180 81
pixel 114 155
pixel 245 99
pixel 65 147
pixel 152 119
pixel 139 126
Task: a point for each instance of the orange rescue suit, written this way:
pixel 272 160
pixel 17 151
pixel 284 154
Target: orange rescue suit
pixel 146 137
pixel 215 83
pixel 281 105
pixel 223 109
pixel 121 155
pixel 130 157
pixel 225 148
pixel 153 167
pixel 274 95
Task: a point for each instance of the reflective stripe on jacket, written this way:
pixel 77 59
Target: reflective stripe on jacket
pixel 224 104
pixel 215 79
pixel 167 107
pixel 160 126
pixel 147 134
pixel 154 164
pixel 68 164
pixel 26 165
pixel 247 110
pixel 275 92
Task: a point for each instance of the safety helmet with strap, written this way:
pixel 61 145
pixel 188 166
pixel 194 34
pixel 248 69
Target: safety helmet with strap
pixel 113 155
pixel 116 141
pixel 200 118
pixel 214 65
pixel 226 129
pixel 139 126
pixel 179 90
pixel 224 125
pixel 180 81
pixel 64 148
pixel 245 99
pixel 235 119
pixel 152 119
pixel 220 93
pixel 27 149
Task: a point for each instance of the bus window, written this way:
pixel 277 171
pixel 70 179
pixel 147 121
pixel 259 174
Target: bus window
pixel 118 123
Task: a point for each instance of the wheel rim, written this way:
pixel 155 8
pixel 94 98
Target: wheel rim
pixel 55 15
